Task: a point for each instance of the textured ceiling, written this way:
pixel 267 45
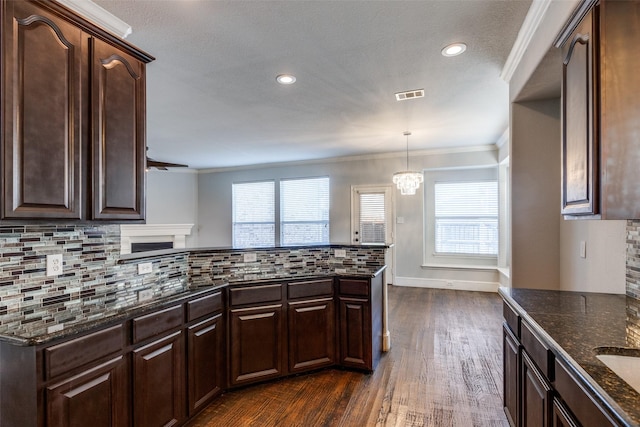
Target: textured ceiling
pixel 213 101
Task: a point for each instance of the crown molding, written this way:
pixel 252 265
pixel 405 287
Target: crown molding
pixel 531 23
pixel 504 138
pixel 99 16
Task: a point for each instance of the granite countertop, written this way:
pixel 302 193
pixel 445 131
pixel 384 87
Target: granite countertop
pixel 574 324
pixel 110 315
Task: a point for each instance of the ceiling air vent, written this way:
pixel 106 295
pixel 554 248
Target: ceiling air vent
pixel 410 94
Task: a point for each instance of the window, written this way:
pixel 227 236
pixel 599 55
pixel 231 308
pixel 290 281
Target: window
pixel 466 218
pixel 253 214
pixel 302 217
pixel 304 211
pixel 372 218
pixel 461 214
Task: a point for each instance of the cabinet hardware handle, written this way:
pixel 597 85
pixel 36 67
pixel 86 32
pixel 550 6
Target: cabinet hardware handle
pixel 579 38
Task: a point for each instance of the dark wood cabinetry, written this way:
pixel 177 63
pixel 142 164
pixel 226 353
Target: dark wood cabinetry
pixel 257 337
pixel 600 148
pixel 311 334
pixel 73 140
pixel 158 382
pixel 511 364
pixel 561 415
pixel 536 396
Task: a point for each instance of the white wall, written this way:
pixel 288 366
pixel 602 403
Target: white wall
pixel 214 208
pixel 172 198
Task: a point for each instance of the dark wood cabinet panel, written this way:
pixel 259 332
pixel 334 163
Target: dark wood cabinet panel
pixel 311 334
pixel 579 109
pixel 561 416
pixel 257 338
pixel 118 105
pixel 355 332
pixel 159 397
pixel 98 397
pixel 206 367
pixel 536 396
pixel 43 80
pixel 511 383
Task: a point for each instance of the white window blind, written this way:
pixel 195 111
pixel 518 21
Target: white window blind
pixel 466 218
pixel 372 218
pixel 304 211
pixel 254 214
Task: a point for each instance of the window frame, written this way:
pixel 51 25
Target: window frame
pixel 452 260
pixel 233 213
pixel 281 222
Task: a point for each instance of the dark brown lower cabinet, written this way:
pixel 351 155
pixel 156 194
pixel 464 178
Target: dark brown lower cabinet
pixel 311 334
pixel 511 360
pixel 536 396
pixel 98 397
pixel 158 382
pixel 561 415
pixel 257 337
pixel 355 330
pixel 205 350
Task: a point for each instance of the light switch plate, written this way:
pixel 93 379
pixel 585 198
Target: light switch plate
pixel 250 257
pixel 54 264
pixel 340 253
pixel 145 295
pixel 583 249
pixel 145 268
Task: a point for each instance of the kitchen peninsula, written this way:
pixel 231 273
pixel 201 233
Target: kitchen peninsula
pixel 241 316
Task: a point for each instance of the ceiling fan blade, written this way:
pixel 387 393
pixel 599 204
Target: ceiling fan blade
pixel 163 165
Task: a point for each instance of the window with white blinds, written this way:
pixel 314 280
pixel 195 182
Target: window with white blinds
pixel 304 211
pixel 372 218
pixel 466 218
pixel 253 214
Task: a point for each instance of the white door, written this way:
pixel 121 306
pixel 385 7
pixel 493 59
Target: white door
pixel 372 220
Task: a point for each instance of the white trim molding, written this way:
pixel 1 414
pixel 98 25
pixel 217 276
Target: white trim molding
pixel 529 26
pixel 99 16
pixel 153 233
pixel 458 285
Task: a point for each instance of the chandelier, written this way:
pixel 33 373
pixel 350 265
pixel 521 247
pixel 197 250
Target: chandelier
pixel 408 181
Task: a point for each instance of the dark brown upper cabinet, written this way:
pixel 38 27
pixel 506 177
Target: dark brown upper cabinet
pixel 73 118
pixel 600 144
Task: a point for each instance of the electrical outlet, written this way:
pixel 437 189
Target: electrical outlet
pixel 54 264
pixel 250 257
pixel 145 268
pixel 55 328
pixel 341 271
pixel 145 295
pixel 340 253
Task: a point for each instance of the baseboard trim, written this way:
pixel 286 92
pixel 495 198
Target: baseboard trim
pixel 458 285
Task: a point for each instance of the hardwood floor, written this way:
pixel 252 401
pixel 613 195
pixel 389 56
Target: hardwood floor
pixel 444 369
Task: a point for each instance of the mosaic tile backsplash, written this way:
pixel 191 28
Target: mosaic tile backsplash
pixel 91 282
pixel 94 281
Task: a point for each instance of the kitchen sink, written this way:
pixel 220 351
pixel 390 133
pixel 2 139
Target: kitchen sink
pixel 624 362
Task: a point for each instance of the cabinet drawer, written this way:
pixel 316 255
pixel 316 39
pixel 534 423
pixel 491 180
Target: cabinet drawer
pixel 202 306
pixel 312 288
pixel 578 400
pixel 64 357
pixel 539 352
pixel 255 294
pixel 354 287
pixel 512 318
pixel 156 323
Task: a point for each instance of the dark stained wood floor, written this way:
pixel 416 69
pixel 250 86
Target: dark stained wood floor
pixel 444 369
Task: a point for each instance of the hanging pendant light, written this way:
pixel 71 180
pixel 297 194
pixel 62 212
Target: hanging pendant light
pixel 408 181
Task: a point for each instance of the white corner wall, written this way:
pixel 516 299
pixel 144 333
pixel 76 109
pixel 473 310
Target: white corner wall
pixel 172 198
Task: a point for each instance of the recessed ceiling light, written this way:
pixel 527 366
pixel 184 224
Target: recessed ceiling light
pixel 454 49
pixel 285 79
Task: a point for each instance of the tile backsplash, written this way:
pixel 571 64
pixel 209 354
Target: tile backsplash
pixel 633 259
pixel 92 280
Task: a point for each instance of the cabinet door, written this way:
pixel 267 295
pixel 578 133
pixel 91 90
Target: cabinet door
pixel 118 106
pixel 579 122
pixel 98 397
pixel 536 395
pixel 205 349
pixel 561 415
pixel 158 383
pixel 511 383
pixel 256 340
pixel 42 114
pixel 355 333
pixel 311 334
